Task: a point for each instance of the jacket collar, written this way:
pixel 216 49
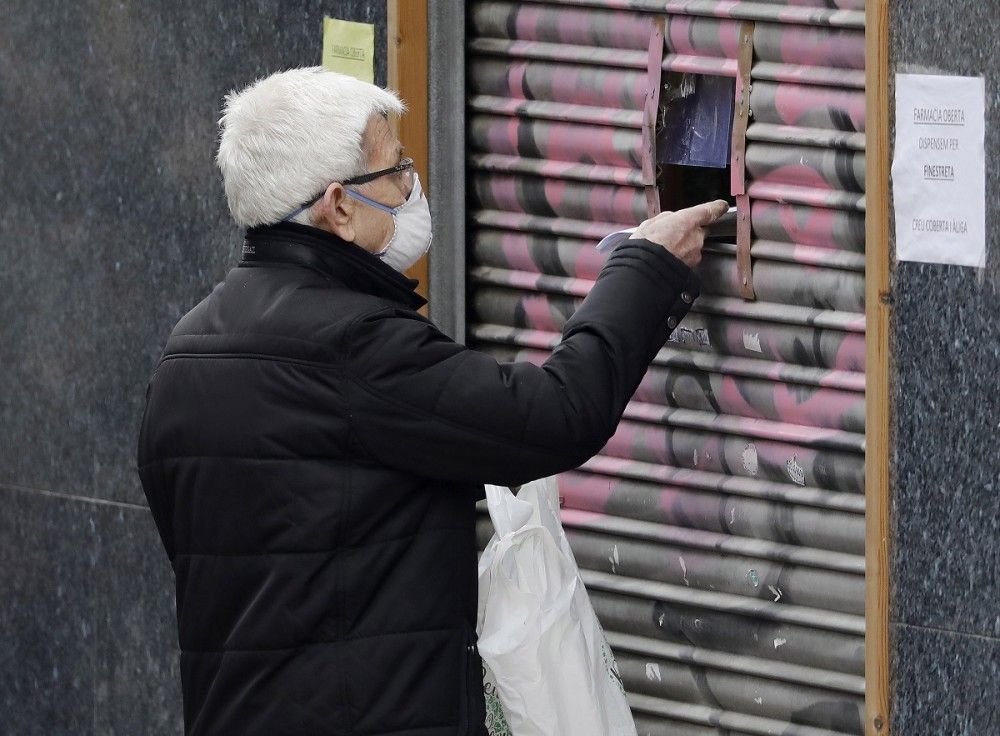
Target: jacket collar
pixel 290 242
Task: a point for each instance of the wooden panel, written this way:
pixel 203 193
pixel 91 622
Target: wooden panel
pixel 407 74
pixel 877 373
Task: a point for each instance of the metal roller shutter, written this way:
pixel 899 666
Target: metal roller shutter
pixel 721 531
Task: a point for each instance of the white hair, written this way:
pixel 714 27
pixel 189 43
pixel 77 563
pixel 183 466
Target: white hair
pixel 286 137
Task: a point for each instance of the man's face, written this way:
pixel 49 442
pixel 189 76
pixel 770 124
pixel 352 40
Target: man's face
pixel 362 224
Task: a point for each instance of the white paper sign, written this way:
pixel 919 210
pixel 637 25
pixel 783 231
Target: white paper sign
pixel 938 169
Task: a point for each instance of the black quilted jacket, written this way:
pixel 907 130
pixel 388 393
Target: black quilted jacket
pixel 312 450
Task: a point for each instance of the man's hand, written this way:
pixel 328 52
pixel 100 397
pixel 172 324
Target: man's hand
pixel 683 232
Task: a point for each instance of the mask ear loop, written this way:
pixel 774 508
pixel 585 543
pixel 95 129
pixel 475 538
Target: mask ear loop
pixel 372 202
pixel 303 208
pixel 377 205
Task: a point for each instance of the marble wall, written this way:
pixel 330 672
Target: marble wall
pixel 945 598
pixel 112 225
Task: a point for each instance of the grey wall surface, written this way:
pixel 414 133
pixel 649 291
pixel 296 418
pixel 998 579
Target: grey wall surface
pixel 447 164
pixel 945 604
pixel 112 225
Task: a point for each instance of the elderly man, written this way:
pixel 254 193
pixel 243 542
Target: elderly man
pixel 313 448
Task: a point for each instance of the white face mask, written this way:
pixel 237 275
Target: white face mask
pixel 412 234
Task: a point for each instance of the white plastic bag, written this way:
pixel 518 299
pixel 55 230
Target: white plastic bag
pixel 542 646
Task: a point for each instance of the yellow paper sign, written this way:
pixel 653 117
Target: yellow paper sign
pixel 349 48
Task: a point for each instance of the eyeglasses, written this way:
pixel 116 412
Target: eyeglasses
pixel 404 167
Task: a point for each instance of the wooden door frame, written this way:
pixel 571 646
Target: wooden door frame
pixel 407 74
pixel 408 39
pixel 877 388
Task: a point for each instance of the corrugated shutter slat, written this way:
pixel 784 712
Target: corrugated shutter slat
pixel 720 532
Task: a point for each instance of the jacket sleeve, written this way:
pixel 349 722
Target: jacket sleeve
pixel 423 403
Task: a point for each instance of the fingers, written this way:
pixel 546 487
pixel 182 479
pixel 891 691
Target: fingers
pixel 683 232
pixel 704 214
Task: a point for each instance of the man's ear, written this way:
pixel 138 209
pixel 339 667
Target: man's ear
pixel 336 212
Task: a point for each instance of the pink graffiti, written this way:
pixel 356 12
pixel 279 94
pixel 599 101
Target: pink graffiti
pixel 801 175
pixel 795 102
pixel 585 492
pixel 539 313
pixel 821 47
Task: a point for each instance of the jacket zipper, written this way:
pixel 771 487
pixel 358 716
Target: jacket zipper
pixel 465 723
